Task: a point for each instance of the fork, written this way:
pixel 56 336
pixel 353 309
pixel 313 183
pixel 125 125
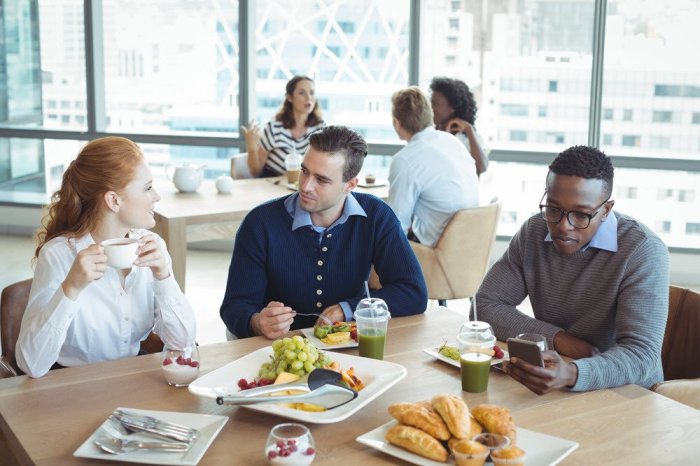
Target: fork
pixel 325 319
pixel 155 426
pixel 125 430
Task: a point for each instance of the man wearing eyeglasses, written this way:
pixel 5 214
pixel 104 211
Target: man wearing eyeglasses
pixel 597 280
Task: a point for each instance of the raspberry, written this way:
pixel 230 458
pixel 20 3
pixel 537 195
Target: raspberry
pixel 167 361
pixel 291 442
pixel 310 451
pixel 498 352
pixel 180 360
pixel 194 364
pixel 280 444
pixel 272 454
pixel 242 383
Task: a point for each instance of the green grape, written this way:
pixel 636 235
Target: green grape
pixel 290 355
pixel 308 367
pixel 302 356
pixel 296 365
pixel 282 364
pixel 279 370
pixel 313 357
pixel 277 344
pixel 449 352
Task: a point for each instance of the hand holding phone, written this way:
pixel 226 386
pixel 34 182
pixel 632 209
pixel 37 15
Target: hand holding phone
pixel 526 350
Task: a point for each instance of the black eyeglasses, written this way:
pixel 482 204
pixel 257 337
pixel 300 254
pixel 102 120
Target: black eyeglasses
pixel 577 219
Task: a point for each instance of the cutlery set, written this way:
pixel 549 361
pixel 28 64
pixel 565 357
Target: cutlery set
pixel 167 436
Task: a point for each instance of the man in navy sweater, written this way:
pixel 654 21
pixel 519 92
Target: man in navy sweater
pixel 312 251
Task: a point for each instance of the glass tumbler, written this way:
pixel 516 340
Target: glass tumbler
pixel 290 444
pixel 180 366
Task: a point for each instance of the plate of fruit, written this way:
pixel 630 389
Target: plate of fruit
pixel 336 336
pixel 289 359
pixel 450 354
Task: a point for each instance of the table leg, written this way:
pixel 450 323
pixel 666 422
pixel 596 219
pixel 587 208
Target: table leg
pixel 174 234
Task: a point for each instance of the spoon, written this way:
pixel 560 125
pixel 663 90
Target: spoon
pixel 118 446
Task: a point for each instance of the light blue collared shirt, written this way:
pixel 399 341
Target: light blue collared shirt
pixel 605 238
pixel 302 218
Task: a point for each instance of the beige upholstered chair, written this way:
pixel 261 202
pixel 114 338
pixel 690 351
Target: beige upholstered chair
pixel 455 267
pixel 239 166
pixel 12 304
pixel 681 348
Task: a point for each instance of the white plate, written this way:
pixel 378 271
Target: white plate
pixel 292 186
pixel 208 425
pixel 434 352
pixel 541 449
pixel 309 333
pixel 377 183
pixel 378 376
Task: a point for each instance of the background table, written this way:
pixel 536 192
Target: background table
pixel 207 215
pixel 43 421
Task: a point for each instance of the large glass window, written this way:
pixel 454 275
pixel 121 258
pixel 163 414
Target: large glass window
pixel 171 66
pixel 356 51
pixel 514 56
pixel 650 68
pixel 42 64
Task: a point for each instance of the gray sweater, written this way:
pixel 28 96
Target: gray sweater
pixel 616 301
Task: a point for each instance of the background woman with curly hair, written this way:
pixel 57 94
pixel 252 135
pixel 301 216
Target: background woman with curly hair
pixel 454 110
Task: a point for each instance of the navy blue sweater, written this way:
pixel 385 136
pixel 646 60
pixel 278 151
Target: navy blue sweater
pixel 273 263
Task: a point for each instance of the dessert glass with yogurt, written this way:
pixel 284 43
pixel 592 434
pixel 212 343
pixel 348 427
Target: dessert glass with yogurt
pixel 180 366
pixel 290 444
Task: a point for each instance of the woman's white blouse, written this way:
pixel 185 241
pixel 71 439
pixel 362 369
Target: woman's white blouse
pixel 106 321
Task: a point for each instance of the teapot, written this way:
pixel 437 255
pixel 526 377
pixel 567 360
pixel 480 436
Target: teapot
pixel 186 177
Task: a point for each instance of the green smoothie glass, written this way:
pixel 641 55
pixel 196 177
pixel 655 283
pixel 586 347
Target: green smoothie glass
pixel 475 340
pixel 372 316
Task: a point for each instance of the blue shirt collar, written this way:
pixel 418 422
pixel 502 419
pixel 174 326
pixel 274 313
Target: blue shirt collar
pixel 605 238
pixel 302 218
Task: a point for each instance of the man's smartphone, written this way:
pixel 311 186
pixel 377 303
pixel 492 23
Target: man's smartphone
pixel 526 350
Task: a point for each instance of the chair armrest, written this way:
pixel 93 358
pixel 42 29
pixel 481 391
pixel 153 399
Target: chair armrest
pixel 6 369
pixel 686 391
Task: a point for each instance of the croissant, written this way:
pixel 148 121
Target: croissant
pixel 455 413
pixel 417 441
pixel 417 415
pixel 495 419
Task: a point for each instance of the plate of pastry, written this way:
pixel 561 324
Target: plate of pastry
pixel 419 430
pixel 541 449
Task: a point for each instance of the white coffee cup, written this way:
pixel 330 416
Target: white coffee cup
pixel 120 252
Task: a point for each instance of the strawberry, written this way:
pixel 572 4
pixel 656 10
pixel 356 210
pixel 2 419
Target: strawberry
pixel 167 361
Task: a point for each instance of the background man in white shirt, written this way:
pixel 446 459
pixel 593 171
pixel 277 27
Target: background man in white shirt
pixel 433 176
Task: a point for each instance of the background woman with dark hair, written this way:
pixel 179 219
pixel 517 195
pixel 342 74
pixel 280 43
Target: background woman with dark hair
pixel 454 110
pixel 296 120
pixel 80 310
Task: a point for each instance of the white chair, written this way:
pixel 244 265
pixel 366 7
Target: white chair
pixel 239 166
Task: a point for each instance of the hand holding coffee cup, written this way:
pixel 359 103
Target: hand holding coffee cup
pixel 89 265
pixel 150 254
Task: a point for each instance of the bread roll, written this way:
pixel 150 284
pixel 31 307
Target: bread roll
pixel 417 441
pixel 419 416
pixel 495 419
pixel 453 410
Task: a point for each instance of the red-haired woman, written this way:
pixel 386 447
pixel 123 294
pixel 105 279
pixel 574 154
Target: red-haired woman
pixel 298 117
pixel 80 310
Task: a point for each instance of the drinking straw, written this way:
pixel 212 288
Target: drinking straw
pixel 474 304
pixel 367 289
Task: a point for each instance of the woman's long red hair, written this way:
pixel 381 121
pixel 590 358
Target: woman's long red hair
pixel 105 164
